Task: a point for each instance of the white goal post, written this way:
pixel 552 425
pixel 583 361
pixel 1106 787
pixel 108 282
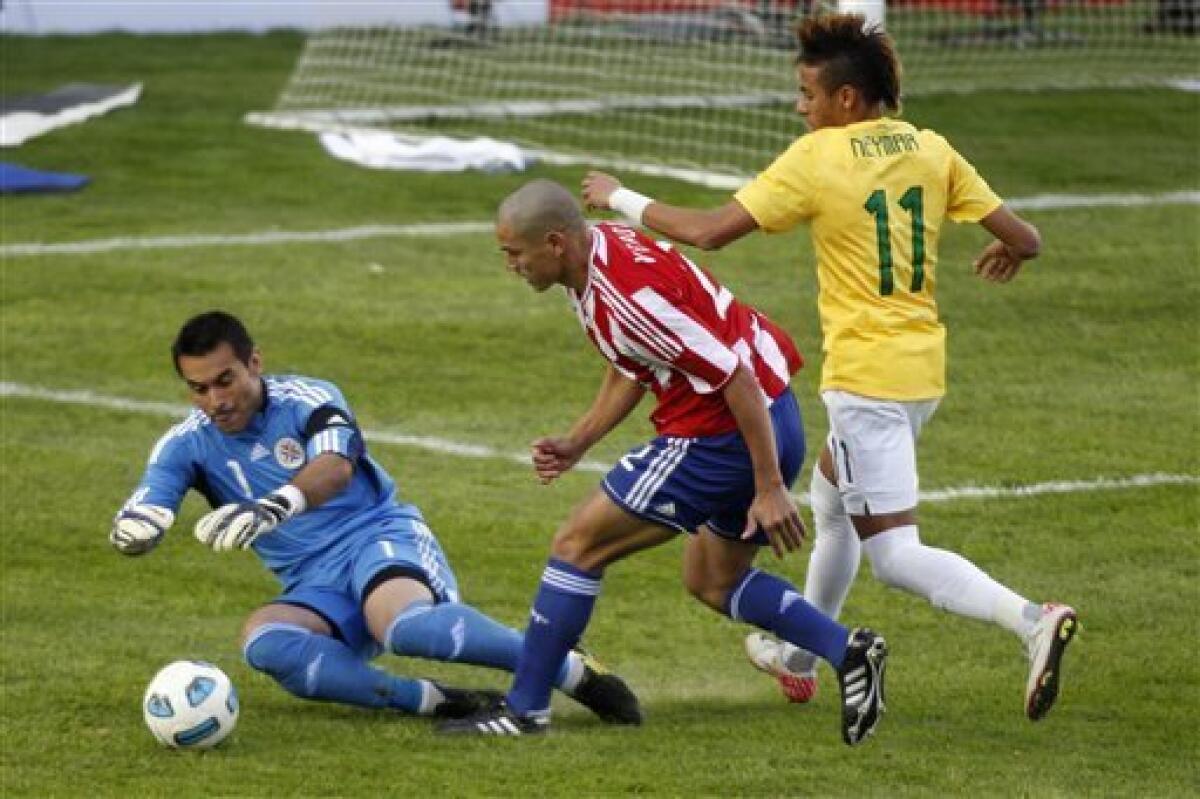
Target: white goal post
pixel 697 89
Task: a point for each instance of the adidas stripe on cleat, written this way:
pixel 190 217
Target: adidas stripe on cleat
pixel 499 720
pixel 1045 646
pixel 861 680
pixel 766 655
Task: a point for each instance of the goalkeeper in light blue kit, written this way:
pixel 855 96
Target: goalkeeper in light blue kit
pixel 285 467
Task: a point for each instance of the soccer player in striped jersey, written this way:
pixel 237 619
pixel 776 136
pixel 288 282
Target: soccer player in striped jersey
pixel 285 467
pixel 876 192
pixel 729 445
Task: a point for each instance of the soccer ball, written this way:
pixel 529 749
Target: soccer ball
pixel 190 704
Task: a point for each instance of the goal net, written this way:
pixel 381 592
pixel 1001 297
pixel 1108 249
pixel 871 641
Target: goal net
pixel 698 89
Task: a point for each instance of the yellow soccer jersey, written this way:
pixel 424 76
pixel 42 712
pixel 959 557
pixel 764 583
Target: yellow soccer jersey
pixel 876 193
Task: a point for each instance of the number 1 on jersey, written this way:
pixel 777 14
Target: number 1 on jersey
pixel 912 201
pixel 240 476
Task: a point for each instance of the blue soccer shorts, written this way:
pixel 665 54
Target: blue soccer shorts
pixel 334 589
pixel 684 483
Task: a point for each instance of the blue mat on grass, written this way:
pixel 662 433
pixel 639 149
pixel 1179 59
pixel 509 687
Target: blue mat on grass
pixel 14 179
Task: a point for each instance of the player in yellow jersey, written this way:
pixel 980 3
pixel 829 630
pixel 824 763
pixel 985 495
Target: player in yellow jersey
pixel 875 191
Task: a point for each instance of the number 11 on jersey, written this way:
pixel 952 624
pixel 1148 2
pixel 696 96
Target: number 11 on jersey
pixel 912 201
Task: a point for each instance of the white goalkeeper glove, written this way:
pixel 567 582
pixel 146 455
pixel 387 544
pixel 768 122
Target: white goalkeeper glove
pixel 138 528
pixel 239 524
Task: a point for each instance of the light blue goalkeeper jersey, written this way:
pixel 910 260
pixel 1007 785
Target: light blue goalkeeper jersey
pixel 301 418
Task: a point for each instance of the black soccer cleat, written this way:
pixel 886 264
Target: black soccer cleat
pixel 497 719
pixel 861 681
pixel 460 702
pixel 606 694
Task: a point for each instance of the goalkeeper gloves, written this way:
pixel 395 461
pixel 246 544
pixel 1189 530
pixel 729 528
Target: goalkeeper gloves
pixel 239 524
pixel 138 528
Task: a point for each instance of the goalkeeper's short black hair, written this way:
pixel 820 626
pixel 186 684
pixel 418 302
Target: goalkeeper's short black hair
pixel 849 53
pixel 203 333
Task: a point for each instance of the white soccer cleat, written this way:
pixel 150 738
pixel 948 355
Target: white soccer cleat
pixel 766 655
pixel 1045 646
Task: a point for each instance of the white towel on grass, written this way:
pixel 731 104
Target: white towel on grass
pixel 384 150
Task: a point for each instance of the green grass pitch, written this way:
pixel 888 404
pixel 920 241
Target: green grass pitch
pixel 1086 367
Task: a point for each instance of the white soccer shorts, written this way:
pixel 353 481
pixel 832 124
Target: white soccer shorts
pixel 873 443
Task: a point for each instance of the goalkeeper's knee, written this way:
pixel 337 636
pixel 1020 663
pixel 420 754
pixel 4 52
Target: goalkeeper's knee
pixel 419 632
pixel 279 651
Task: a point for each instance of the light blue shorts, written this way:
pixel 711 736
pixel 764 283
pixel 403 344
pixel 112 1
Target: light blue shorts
pixel 336 590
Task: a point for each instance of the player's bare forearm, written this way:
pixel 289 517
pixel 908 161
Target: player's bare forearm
pixel 706 229
pixel 554 456
pixel 323 478
pixel 772 510
pixel 1016 242
pixel 616 399
pixel 744 398
pixel 1020 238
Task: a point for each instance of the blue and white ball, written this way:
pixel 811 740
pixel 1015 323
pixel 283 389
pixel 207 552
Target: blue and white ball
pixel 190 704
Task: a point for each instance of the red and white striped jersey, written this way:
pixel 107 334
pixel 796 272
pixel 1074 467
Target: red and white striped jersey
pixel 669 325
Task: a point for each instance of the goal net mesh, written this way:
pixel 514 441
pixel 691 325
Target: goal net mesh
pixel 703 85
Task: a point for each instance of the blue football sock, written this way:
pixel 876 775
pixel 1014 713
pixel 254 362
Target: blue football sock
pixel 313 666
pixel 774 605
pixel 455 632
pixel 559 616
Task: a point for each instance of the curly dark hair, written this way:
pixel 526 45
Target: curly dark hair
pixel 850 53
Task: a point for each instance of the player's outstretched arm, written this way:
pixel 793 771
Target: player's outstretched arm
pixel 137 529
pixel 239 524
pixel 326 476
pixel 616 399
pixel 772 509
pixel 144 519
pixel 1017 241
pixel 706 229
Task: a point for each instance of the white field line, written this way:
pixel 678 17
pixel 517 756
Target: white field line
pixel 178 411
pixel 1058 487
pixel 1044 202
pixel 1055 202
pixel 447 447
pixel 188 241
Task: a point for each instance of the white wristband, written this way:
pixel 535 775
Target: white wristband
pixel 629 203
pixel 295 498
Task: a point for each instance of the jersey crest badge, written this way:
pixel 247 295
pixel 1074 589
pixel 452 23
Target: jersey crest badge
pixel 289 453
